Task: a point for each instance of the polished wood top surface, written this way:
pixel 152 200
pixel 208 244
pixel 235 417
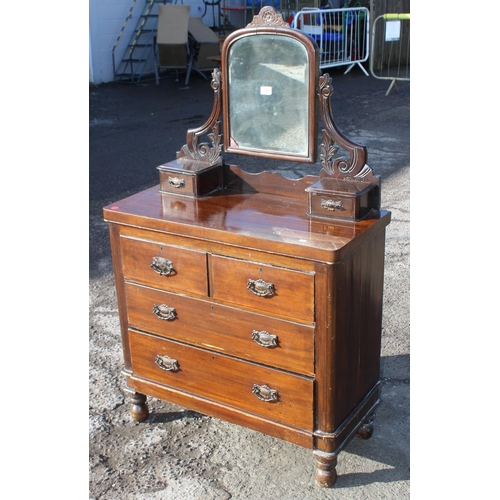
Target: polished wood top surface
pixel 268 222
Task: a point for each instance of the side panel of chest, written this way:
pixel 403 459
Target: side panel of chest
pixel 348 333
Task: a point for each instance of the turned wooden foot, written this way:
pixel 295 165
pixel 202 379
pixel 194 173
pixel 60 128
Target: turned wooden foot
pixel 365 431
pixel 139 408
pixel 326 474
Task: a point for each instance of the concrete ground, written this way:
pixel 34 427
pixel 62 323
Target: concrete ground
pixel 183 455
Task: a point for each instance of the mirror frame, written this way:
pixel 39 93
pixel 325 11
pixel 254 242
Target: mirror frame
pixel 270 22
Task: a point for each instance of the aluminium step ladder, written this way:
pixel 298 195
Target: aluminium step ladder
pixel 136 60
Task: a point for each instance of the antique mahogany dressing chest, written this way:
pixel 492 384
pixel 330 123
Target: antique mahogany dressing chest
pixel 251 297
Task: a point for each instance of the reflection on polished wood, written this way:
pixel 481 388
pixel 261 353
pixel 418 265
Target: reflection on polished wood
pixel 241 217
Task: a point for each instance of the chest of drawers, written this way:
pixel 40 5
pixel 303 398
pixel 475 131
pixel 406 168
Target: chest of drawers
pixel 242 307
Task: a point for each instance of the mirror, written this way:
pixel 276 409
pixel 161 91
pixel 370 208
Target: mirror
pixel 276 87
pixel 269 80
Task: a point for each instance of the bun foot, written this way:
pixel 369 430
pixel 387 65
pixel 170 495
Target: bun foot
pixel 365 431
pixel 326 474
pixel 139 408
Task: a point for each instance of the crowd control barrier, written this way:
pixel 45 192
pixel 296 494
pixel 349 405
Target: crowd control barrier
pixel 342 35
pixel 390 42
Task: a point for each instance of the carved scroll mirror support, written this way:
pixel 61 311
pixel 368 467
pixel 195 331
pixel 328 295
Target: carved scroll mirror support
pixel 347 187
pixel 208 154
pixel 198 168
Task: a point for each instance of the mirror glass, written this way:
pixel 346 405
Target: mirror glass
pixel 268 96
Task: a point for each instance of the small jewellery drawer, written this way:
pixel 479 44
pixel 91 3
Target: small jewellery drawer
pixel 268 341
pixel 343 199
pixel 188 179
pixel 165 267
pixel 270 393
pixel 272 290
pixel 330 205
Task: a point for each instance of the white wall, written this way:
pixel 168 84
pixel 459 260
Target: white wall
pixel 106 19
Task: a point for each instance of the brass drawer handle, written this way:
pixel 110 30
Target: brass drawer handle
pixel 176 182
pixel 265 393
pixel 265 339
pixel 166 363
pixel 261 288
pixel 332 205
pixel 164 312
pixel 162 266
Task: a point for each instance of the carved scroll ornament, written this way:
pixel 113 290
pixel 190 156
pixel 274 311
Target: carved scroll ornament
pixel 205 152
pixel 354 167
pixel 268 17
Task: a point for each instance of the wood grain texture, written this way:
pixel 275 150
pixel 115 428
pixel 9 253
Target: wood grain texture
pixel 219 248
pixel 115 240
pixel 238 180
pixel 189 272
pixel 292 298
pixel 225 379
pixel 223 329
pixel 356 332
pixel 263 222
pixel 220 410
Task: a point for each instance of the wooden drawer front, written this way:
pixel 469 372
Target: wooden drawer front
pixel 177 183
pixel 332 205
pixel 224 379
pixel 254 337
pixel 174 179
pixel 290 296
pixel 144 261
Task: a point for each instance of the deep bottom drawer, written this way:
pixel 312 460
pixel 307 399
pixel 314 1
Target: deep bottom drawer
pixel 270 393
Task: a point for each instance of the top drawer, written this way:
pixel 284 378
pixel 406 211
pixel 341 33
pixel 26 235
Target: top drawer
pixel 164 267
pixel 283 293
